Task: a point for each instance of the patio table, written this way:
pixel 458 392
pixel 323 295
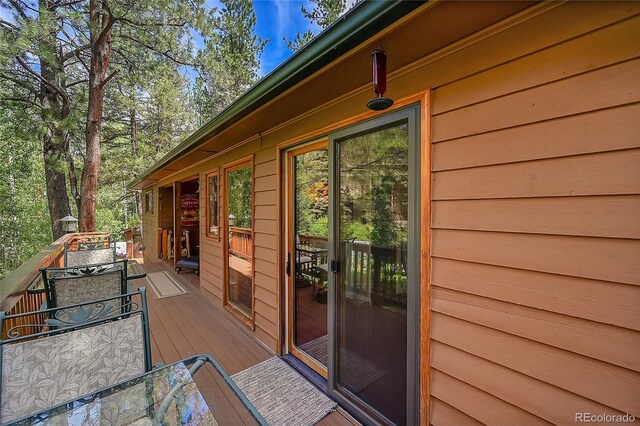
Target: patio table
pixel 164 396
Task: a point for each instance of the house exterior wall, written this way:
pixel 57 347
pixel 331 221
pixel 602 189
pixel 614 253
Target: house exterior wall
pixel 535 223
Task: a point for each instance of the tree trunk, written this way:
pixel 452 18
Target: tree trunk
pixel 133 123
pixel 101 21
pixel 57 198
pixel 55 110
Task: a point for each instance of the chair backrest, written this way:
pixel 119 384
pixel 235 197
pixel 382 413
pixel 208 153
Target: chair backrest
pixel 89 252
pixel 49 366
pixel 68 286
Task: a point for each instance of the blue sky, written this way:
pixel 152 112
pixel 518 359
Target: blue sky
pixel 276 19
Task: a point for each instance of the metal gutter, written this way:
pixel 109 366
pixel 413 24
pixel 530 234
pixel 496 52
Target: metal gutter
pixel 362 22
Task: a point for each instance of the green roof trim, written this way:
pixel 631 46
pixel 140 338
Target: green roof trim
pixel 362 22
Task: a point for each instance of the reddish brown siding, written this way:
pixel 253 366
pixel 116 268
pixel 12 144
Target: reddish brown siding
pixel 266 299
pixel 535 185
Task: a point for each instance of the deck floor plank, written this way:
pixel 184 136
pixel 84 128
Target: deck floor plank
pixel 189 324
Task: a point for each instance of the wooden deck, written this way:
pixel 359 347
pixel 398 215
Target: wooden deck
pixel 190 324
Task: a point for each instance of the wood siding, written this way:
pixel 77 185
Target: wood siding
pixel 536 221
pixel 212 259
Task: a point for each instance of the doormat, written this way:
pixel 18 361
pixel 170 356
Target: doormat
pixel 282 395
pixel 164 285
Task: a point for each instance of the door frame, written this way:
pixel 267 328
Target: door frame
pixel 412 114
pixel 290 154
pixel 423 98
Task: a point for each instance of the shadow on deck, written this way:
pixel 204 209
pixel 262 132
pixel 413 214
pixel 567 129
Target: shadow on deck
pixel 190 324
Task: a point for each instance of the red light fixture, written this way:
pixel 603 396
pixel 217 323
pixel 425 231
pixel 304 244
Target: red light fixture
pixel 379 82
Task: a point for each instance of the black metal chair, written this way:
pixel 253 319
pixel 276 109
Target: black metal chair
pixel 43 366
pixel 79 284
pixel 92 251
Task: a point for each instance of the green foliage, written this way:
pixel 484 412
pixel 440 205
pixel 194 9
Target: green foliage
pixel 24 217
pixel 164 84
pixel 239 197
pixel 231 58
pixel 312 193
pixel 374 184
pixel 323 14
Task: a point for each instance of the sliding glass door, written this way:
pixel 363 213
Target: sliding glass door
pixel 374 268
pixel 352 261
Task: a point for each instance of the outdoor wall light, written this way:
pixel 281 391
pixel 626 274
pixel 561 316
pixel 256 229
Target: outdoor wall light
pixel 69 224
pixel 232 219
pixel 379 82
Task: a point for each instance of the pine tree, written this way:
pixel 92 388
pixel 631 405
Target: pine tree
pixel 231 58
pixel 323 14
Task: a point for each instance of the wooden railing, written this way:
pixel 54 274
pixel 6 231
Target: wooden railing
pixel 313 241
pixel 240 242
pixel 14 297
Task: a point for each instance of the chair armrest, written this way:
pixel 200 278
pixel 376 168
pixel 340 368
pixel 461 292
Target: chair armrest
pixel 136 276
pixel 32 289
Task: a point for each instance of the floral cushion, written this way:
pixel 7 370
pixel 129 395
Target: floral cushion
pixel 74 290
pixel 89 257
pixel 38 374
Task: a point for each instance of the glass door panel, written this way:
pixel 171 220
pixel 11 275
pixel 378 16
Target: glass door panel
pixel 239 215
pixel 308 224
pixel 372 279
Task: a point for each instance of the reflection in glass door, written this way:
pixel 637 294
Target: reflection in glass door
pixel 308 200
pixel 239 238
pixel 373 274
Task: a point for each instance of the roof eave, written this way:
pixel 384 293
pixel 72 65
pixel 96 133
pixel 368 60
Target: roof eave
pixel 362 22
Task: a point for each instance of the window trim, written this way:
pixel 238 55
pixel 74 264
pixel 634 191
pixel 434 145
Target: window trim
pixel 248 161
pixel 209 174
pixel 148 201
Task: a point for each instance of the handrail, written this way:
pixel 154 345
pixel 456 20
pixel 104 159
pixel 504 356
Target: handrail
pixel 240 242
pixel 240 230
pixel 13 287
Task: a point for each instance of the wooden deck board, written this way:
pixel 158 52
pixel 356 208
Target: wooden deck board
pixel 190 324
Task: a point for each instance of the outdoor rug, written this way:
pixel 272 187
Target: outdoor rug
pixel 282 395
pixel 164 285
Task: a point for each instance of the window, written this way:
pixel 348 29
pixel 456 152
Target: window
pixel 238 238
pixel 148 202
pixel 213 213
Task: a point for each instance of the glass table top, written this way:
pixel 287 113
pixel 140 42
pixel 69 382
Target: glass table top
pixel 167 396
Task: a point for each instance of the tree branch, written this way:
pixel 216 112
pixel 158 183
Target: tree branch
pixel 22 100
pixel 76 83
pixel 106 26
pixel 20 83
pixel 18 7
pixel 8 25
pixel 167 53
pixel 109 77
pixel 52 86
